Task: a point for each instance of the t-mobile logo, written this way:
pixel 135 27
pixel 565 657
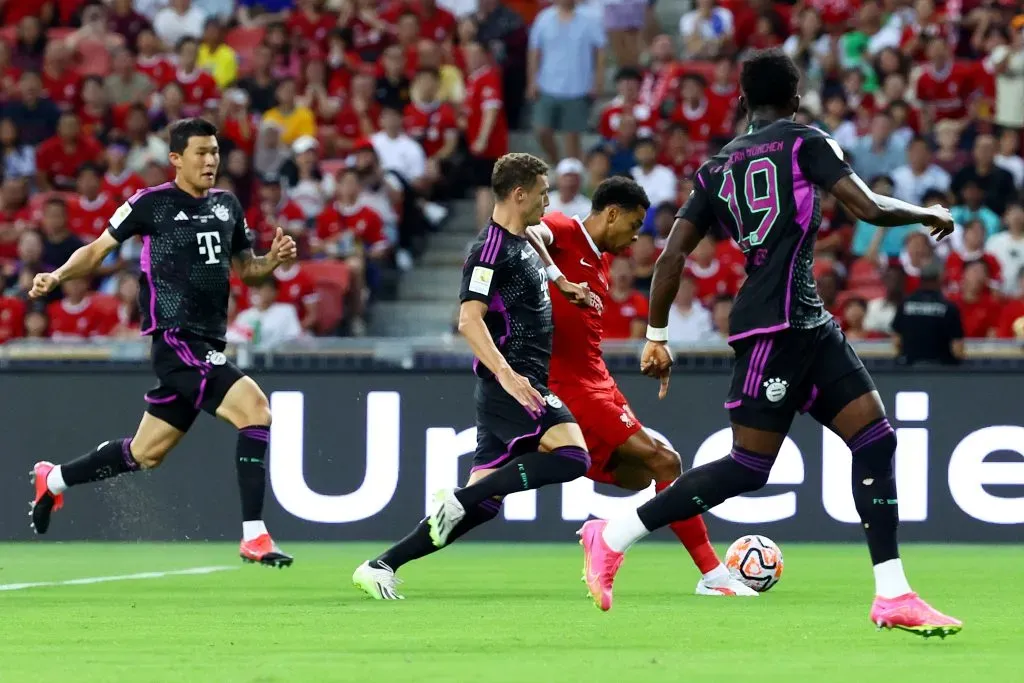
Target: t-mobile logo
pixel 209 246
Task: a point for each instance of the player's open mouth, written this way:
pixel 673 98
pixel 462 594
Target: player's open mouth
pixel 208 175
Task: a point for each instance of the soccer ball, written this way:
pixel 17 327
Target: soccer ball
pixel 755 561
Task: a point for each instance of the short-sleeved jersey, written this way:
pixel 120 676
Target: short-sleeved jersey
pixel 761 189
pixel 187 246
pixel 505 272
pixel 576 350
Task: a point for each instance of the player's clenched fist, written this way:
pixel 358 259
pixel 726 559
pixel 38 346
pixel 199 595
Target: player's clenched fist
pixel 43 284
pixel 519 388
pixel 283 249
pixel 656 361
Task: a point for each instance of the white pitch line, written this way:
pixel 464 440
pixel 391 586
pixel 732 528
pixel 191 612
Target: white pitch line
pixel 123 577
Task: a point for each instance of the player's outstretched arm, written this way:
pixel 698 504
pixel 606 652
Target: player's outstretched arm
pixel 883 211
pixel 83 262
pixel 539 236
pixel 473 328
pixel 252 268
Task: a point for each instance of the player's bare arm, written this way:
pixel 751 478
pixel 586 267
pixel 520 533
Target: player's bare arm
pixel 84 262
pixel 883 211
pixel 539 236
pixel 656 360
pixel 473 328
pixel 252 268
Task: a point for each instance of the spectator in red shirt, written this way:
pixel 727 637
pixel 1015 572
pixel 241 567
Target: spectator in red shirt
pixel 486 127
pixel 946 86
pixel 29 45
pixel 93 111
pixel 369 31
pixel 124 20
pixel 979 308
pixel 151 61
pixel 678 154
pixel 625 310
pixel 15 218
pixel 9 75
pixel 433 124
pixel 661 81
pixel 198 87
pixel 58 243
pixel 12 318
pixel 695 112
pixel 239 125
pixel 972 249
pixel 309 26
pixel 37 323
pixel 627 85
pixel 359 116
pixel 59 158
pixel 712 277
pixel 434 22
pixel 90 211
pixel 18 274
pixel 60 82
pixel 927 24
pixel 274 210
pixel 77 315
pixel 1011 318
pixel 297 287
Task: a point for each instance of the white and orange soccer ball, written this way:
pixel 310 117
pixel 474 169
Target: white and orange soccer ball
pixel 755 561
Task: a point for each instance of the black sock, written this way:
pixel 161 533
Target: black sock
pixel 252 469
pixel 107 460
pixel 702 488
pixel 874 488
pixel 526 472
pixel 418 544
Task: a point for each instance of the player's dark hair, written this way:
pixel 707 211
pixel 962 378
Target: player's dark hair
pixel 769 78
pixel 628 73
pixel 517 169
pixel 625 193
pixel 180 131
pixel 56 201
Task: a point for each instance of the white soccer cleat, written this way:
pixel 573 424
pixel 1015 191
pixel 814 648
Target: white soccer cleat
pixel 729 587
pixel 448 512
pixel 380 583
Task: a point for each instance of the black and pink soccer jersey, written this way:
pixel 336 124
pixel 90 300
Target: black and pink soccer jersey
pixel 505 272
pixel 761 189
pixel 187 245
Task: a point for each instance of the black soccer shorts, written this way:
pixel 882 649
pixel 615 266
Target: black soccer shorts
pixel 504 429
pixel 194 375
pixel 775 376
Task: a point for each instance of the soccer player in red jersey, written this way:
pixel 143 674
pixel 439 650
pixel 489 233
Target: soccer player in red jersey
pixel 622 452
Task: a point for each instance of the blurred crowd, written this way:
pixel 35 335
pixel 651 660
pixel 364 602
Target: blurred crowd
pixel 352 123
pixel 926 100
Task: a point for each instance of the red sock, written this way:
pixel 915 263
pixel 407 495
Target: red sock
pixel 694 537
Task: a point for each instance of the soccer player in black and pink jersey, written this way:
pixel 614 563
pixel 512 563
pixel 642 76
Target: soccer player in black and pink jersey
pixel 192 236
pixel 791 356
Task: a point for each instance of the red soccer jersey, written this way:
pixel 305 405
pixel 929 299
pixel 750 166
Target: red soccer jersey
pixel 576 346
pixel 700 122
pixel 12 318
pixel 437 26
pixel 717 279
pixel 287 215
pixel 954 270
pixel 724 102
pixel 656 86
pixel 80 321
pixel 121 187
pixel 361 222
pixel 199 88
pixel 365 38
pixel 158 69
pixel 242 132
pixel 347 121
pixel 62 88
pixel 938 27
pixel 88 219
pixel 1011 320
pixel 296 287
pixel 683 165
pixel 430 125
pixel 611 116
pixel 950 91
pixel 979 317
pixel 483 92
pixel 308 30
pixel 618 316
pixel 62 165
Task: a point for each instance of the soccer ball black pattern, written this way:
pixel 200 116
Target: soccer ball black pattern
pixel 755 561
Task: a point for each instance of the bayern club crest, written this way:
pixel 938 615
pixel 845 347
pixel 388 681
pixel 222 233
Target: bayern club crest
pixel 222 212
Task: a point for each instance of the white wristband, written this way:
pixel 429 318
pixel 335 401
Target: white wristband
pixel 657 334
pixel 553 272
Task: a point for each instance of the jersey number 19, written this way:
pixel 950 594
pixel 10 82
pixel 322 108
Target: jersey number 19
pixel 761 197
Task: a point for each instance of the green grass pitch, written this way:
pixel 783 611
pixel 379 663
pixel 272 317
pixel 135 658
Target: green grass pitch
pixel 494 614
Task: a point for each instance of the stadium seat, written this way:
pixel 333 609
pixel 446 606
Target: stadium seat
pixel 864 273
pixel 332 284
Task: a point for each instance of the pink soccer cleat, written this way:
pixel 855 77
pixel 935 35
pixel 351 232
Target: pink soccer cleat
pixel 45 502
pixel 910 613
pixel 600 563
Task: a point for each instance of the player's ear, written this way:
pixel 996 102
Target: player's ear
pixel 795 104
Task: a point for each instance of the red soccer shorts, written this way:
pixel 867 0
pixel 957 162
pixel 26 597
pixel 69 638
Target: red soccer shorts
pixel 607 422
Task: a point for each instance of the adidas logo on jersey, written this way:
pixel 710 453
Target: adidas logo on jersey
pixel 181 216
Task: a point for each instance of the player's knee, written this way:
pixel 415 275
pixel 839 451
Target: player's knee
pixel 664 464
pixel 149 454
pixel 257 410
